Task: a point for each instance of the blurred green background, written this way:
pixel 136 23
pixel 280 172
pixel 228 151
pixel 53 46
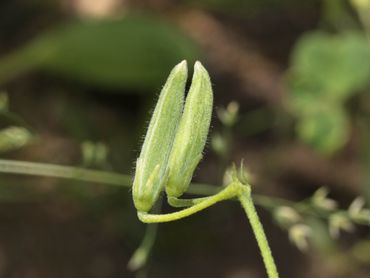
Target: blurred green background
pixel 78 79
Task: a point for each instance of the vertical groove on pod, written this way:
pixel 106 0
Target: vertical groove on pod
pixel 192 133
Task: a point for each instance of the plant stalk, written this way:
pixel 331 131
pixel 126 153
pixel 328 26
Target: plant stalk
pixel 249 208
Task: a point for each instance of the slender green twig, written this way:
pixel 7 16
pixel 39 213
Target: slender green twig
pixel 247 203
pixel 66 172
pixel 141 255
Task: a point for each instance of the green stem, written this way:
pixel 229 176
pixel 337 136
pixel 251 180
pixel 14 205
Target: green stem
pixel 140 257
pixel 249 208
pixel 66 172
pixel 229 192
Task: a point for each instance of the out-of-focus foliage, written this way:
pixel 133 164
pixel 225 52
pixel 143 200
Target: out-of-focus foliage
pixel 94 154
pixel 335 65
pixel 132 52
pixel 326 71
pixel 326 128
pixel 361 251
pixel 336 14
pixel 249 7
pixel 13 138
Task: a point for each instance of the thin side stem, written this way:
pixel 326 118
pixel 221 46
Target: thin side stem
pixel 249 208
pixel 140 257
pixel 229 192
pixel 66 172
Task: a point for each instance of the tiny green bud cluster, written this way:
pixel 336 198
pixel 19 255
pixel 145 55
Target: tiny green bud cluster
pixel 299 235
pixel 286 216
pixel 229 115
pixel 339 221
pixel 320 200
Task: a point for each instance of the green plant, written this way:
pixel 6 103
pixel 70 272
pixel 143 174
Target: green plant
pixel 298 218
pixel 171 164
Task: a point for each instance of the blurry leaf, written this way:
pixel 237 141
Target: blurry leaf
pixel 325 130
pixel 133 52
pixel 304 95
pixel 332 67
pixel 326 70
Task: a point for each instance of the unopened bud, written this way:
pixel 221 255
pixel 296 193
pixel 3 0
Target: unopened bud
pixel 151 166
pixel 192 133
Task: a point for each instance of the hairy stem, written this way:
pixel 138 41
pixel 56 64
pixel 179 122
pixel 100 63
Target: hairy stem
pixel 249 208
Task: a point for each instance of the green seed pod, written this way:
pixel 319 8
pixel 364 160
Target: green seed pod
pixel 192 133
pixel 151 166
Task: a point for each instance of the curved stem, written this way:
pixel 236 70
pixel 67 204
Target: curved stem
pixel 229 192
pixel 249 208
